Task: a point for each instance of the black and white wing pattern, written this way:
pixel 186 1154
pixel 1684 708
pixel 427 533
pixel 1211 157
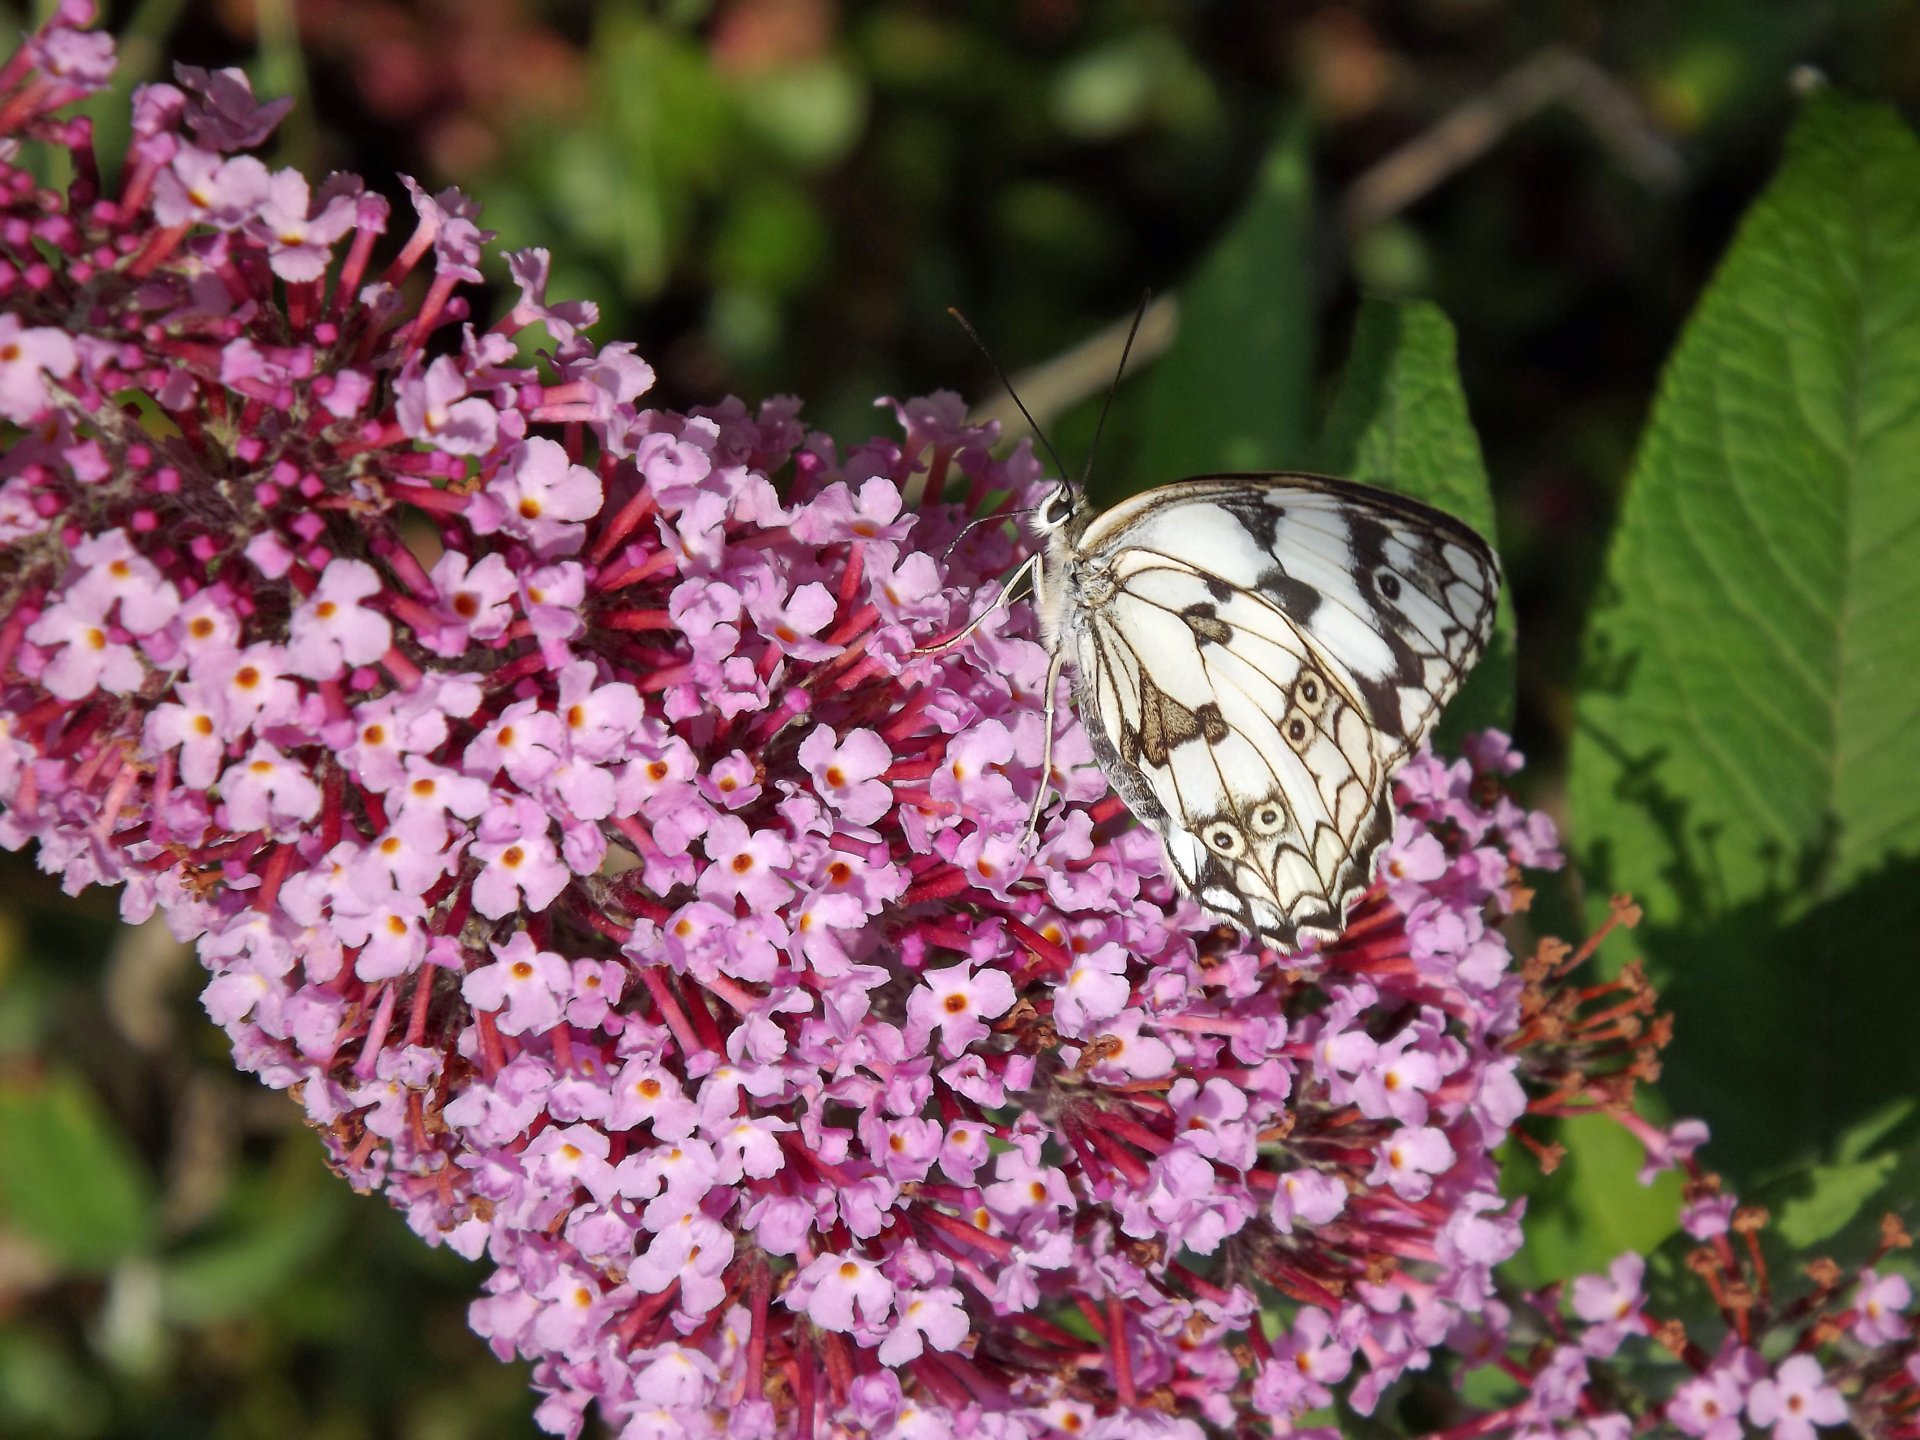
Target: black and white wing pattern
pixel 1253 656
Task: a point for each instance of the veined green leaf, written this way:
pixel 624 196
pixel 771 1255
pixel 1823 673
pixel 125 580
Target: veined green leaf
pixel 1746 744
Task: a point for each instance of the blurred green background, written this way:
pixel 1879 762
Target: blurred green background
pixel 784 196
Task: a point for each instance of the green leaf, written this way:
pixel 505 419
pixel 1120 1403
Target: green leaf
pixel 1865 1139
pixel 1836 1195
pixel 1592 1208
pixel 277 1225
pixel 1874 1168
pixel 236 1274
pixel 1746 745
pixel 1232 391
pixel 42 1391
pixel 68 1180
pixel 1399 420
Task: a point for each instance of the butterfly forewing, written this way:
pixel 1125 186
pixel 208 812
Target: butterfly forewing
pixel 1253 656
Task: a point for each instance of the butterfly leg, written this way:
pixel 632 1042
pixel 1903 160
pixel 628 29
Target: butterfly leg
pixel 999 602
pixel 1045 788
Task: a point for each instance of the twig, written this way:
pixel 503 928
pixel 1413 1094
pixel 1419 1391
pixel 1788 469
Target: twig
pixel 1550 76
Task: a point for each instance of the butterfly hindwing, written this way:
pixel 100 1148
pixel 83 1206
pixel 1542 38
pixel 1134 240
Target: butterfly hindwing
pixel 1253 656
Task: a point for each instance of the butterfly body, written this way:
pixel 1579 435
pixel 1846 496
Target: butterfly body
pixel 1252 657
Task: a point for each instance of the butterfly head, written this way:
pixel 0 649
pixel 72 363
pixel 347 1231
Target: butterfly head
pixel 1058 509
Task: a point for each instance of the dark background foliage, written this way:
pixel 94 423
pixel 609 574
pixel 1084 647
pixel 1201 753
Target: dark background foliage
pixel 784 196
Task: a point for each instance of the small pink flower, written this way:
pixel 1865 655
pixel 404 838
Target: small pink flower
pixel 205 625
pixel 837 513
pixel 749 1147
pixel 85 657
pixel 575 1307
pixel 333 627
pixel 476 600
pixel 1878 1307
pixel 830 1290
pixel 252 684
pixel 386 926
pixel 1122 1052
pixel 647 1093
pixel 117 574
pixel 526 741
pixel 933 1317
pixel 411 856
pixel 202 188
pixel 845 772
pixel 746 863
pixel 1410 1158
pixel 1095 990
pixel 436 409
pixel 1393 1080
pixel 526 985
pixel 82 59
pixel 29 357
pixel 429 789
pixel 731 781
pixel 974 775
pixel 1795 1399
pixel 1610 1304
pixel 596 988
pixel 673 1380
pixel 1316 1355
pixel 299 238
pixel 565 1156
pixel 956 1003
pixel 794 622
pixel 563 319
pixel 1416 856
pixel 687 1249
pixel 600 718
pixel 1672 1146
pixel 520 864
pixel 1307 1197
pixel 1708 1406
pixel 1708 1215
pixel 19 519
pixel 268 791
pixel 539 497
pixel 448 219
pixel 190 724
pixel 993 861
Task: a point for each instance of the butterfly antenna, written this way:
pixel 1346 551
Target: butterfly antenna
pixel 997 517
pixel 1032 423
pixel 1125 350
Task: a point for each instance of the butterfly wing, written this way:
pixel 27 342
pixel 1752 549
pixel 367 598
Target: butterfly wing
pixel 1254 655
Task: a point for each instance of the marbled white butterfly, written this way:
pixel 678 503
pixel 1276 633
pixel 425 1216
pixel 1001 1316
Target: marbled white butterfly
pixel 1253 656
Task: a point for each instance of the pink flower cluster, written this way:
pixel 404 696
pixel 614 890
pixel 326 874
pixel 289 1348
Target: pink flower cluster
pixel 1843 1354
pixel 566 816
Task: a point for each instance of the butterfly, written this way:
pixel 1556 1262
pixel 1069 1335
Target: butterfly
pixel 1253 656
